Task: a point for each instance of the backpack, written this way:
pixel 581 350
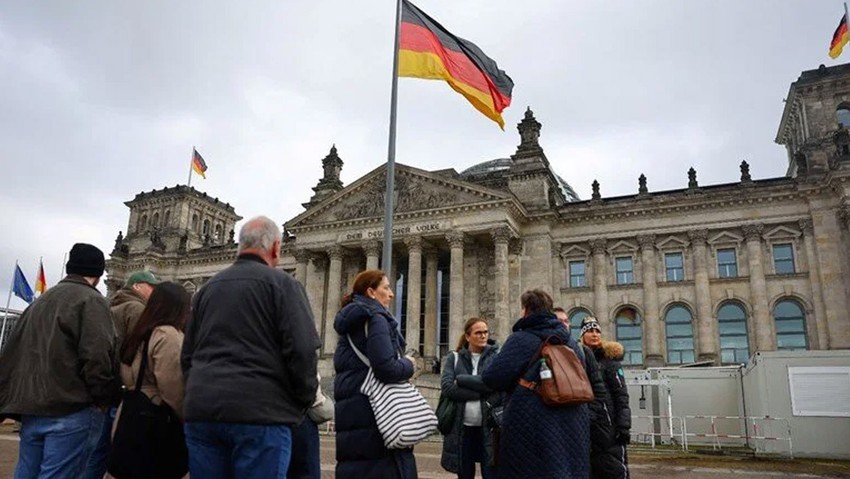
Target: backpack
pixel 569 385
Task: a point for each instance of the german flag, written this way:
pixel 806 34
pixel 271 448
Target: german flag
pixel 839 38
pixel 41 279
pixel 427 50
pixel 198 163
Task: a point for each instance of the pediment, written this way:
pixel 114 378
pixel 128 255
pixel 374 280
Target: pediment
pixel 623 246
pixel 574 251
pixel 781 232
pixel 672 242
pixel 415 190
pixel 725 237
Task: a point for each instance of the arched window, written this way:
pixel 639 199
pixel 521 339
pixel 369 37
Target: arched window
pixel 680 335
pixel 195 226
pixel 842 116
pixel 143 223
pixel 575 318
pixel 732 325
pixel 217 235
pixel 167 219
pixel 790 326
pixel 206 229
pixel 156 220
pixel 630 335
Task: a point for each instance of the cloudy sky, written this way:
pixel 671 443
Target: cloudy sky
pixel 100 100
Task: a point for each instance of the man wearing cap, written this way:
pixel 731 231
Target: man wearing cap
pixel 56 371
pixel 610 435
pixel 127 306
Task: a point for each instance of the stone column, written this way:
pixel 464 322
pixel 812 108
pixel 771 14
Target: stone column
pixel 302 257
pixel 335 254
pixel 706 326
pixel 316 288
pixel 430 340
pixel 654 332
pixel 502 319
pixel 455 239
pixel 600 285
pixel 414 290
pixel 515 248
pixel 822 333
pixel 763 326
pixel 373 252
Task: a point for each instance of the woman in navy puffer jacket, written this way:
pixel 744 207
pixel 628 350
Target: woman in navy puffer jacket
pixel 537 440
pixel 360 451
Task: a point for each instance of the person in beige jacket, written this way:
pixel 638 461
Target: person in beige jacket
pixel 163 320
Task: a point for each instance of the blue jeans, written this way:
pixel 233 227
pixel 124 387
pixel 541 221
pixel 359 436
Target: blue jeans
pixel 238 451
pixel 58 447
pixel 305 462
pixel 96 466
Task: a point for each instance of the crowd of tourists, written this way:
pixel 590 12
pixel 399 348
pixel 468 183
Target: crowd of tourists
pixel 155 383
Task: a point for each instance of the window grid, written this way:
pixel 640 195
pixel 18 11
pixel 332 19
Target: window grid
pixel 727 263
pixel 734 340
pixel 790 323
pixel 675 266
pixel 625 270
pixel 577 274
pixel 680 335
pixel 783 258
pixel 630 335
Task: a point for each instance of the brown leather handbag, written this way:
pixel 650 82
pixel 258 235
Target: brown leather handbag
pixel 568 385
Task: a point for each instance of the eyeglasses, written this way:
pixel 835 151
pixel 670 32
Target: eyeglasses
pixel 480 333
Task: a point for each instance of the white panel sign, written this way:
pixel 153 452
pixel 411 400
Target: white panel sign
pixel 820 391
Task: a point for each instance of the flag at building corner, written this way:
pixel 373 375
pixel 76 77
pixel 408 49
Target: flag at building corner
pixel 199 166
pixel 839 38
pixel 20 286
pixel 41 280
pixel 427 50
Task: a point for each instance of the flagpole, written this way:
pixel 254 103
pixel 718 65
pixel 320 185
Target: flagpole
pixel 846 15
pixel 64 259
pixel 8 302
pixel 387 260
pixel 189 181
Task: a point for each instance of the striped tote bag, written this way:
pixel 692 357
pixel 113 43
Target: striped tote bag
pixel 403 416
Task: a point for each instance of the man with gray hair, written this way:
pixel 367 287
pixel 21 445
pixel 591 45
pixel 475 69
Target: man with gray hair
pixel 249 362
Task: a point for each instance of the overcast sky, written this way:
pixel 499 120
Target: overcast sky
pixel 100 100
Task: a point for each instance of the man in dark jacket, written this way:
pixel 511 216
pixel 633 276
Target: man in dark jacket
pixel 610 435
pixel 537 440
pixel 249 362
pixel 56 371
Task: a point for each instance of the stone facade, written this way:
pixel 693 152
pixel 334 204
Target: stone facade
pixel 703 274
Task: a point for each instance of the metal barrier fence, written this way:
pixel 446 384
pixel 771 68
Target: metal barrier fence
pixel 651 434
pixel 746 434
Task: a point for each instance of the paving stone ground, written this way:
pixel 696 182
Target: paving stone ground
pixel 644 466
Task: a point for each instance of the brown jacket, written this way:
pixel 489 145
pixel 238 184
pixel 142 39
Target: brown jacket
pixel 127 305
pixel 163 381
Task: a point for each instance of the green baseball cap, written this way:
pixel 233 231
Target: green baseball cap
pixel 142 277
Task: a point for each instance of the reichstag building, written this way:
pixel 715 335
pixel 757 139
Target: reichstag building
pixel 706 273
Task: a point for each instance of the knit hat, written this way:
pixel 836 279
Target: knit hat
pixel 589 323
pixel 85 260
pixel 142 277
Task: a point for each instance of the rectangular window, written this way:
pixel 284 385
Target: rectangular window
pixel 577 274
pixel 625 270
pixel 675 266
pixel 727 263
pixel 783 258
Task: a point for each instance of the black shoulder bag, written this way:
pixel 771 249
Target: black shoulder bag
pixel 148 442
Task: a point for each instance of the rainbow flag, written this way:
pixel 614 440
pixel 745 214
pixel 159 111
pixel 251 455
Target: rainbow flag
pixel 427 50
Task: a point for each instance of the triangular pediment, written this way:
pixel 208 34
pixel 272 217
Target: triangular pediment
pixel 623 246
pixel 415 190
pixel 781 232
pixel 725 237
pixel 574 251
pixel 672 242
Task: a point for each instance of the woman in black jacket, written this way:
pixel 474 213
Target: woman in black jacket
pixel 610 432
pixel 360 451
pixel 471 439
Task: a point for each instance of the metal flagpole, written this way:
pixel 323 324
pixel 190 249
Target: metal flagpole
pixel 6 311
pixel 846 15
pixel 191 161
pixel 64 259
pixel 387 260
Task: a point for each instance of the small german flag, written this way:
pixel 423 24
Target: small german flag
pixel 40 279
pixel 427 50
pixel 839 38
pixel 198 164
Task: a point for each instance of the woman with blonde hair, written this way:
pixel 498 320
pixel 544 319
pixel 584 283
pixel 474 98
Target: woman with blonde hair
pixel 470 440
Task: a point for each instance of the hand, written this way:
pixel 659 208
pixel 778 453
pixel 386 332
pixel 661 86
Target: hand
pixel 417 367
pixel 623 437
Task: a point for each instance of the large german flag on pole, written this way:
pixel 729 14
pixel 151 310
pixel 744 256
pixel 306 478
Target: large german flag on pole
pixel 840 37
pixel 427 50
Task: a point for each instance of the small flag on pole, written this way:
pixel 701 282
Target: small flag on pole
pixel 839 38
pixel 199 166
pixel 20 286
pixel 427 50
pixel 41 280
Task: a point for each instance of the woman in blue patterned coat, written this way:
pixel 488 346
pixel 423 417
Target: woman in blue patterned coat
pixel 537 440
